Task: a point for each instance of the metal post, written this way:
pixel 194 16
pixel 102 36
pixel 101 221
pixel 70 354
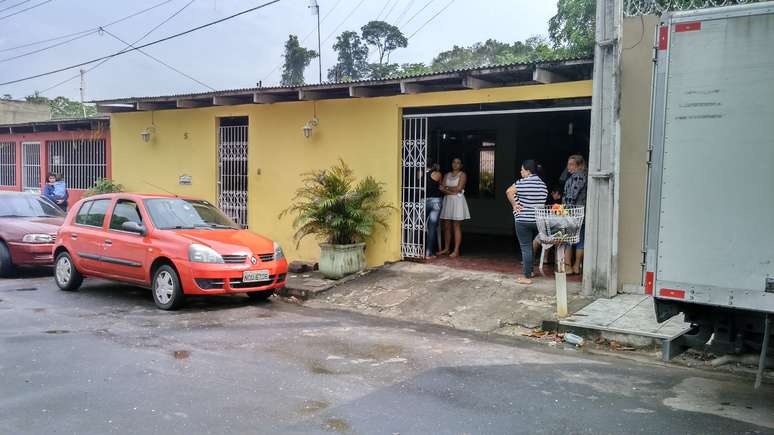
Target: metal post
pixel 764 351
pixel 83 91
pixel 560 276
pixel 603 189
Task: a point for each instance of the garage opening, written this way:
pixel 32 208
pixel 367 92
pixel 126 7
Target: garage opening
pixel 491 141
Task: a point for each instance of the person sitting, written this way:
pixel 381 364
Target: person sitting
pixel 56 191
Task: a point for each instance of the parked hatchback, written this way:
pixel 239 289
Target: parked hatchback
pixel 28 226
pixel 174 246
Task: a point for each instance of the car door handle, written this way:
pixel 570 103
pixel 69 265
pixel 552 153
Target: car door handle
pixel 74 236
pixel 108 242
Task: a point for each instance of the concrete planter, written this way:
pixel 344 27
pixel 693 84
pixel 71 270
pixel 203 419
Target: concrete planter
pixel 338 261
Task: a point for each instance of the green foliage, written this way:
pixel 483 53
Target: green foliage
pixel 414 69
pixel 385 37
pixel 572 28
pixel 352 58
pixel 331 206
pixel 103 185
pixel 297 58
pixel 63 107
pixel 486 185
pixel 493 52
pixel 382 71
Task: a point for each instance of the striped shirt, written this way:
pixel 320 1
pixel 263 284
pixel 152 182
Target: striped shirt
pixel 531 193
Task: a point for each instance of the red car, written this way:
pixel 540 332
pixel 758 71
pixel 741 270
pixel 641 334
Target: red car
pixel 28 226
pixel 174 246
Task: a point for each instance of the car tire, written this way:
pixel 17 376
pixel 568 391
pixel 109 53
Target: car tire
pixel 260 296
pixel 167 290
pixel 66 275
pixel 6 265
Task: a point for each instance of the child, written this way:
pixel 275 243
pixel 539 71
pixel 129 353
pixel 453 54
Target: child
pixel 56 191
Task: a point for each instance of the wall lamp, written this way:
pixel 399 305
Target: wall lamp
pixel 147 133
pixel 309 126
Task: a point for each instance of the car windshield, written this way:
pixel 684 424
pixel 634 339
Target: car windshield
pixel 178 213
pixel 28 206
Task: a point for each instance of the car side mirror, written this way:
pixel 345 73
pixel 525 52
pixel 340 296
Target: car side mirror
pixel 134 227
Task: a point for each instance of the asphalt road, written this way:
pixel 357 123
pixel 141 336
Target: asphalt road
pixel 105 360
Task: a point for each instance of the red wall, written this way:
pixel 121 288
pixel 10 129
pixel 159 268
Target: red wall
pixel 43 138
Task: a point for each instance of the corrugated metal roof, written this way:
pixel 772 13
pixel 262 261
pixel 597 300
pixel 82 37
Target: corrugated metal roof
pixel 579 61
pixel 51 122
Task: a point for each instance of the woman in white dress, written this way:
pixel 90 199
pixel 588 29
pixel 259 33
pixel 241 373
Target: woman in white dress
pixel 455 207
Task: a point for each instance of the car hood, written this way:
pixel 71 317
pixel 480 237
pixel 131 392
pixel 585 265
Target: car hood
pixel 229 241
pixel 15 228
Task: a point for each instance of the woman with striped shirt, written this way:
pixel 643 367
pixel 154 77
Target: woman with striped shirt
pixel 525 195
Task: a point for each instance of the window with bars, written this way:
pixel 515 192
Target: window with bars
pixel 79 162
pixel 8 164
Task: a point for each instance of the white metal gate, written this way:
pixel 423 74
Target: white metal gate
pixel 80 162
pixel 31 166
pixel 414 160
pixel 232 172
pixel 8 164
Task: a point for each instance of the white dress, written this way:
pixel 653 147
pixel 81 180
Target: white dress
pixel 455 207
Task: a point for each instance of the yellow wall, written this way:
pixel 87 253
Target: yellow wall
pixel 364 132
pixel 636 73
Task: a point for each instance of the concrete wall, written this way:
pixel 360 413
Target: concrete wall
pixel 12 112
pixel 366 133
pixel 636 74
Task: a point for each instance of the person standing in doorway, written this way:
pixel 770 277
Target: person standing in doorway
pixel 433 204
pixel 56 191
pixel 575 196
pixel 455 207
pixel 525 195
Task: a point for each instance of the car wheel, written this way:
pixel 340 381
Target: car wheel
pixel 66 275
pixel 6 266
pixel 167 291
pixel 260 296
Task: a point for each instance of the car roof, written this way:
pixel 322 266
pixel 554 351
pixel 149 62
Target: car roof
pixel 136 196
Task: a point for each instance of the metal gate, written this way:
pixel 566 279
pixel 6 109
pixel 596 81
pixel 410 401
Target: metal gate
pixel 8 164
pixel 232 172
pixel 414 160
pixel 80 162
pixel 31 166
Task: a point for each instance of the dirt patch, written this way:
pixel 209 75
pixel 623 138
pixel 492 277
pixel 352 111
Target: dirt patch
pixel 318 368
pixel 337 425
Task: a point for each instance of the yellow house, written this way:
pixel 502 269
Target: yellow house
pixel 244 149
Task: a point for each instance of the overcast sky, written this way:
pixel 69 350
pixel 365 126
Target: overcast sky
pixel 236 53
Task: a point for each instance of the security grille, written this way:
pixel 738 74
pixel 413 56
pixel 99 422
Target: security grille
pixel 8 164
pixel 413 188
pixel 79 162
pixel 658 7
pixel 31 167
pixel 232 172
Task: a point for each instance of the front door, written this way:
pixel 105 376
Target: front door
pixel 232 169
pixel 414 162
pixel 124 253
pixel 31 167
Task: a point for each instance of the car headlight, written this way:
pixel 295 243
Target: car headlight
pixel 203 254
pixel 38 238
pixel 278 254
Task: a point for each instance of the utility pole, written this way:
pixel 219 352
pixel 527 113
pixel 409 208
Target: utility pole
pixel 83 91
pixel 316 11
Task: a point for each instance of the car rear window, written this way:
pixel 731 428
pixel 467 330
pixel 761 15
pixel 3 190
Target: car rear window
pixel 24 205
pixel 92 213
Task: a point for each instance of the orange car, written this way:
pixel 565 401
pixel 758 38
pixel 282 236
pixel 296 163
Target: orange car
pixel 174 246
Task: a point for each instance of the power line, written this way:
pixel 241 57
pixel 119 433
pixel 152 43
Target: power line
pixel 145 35
pixel 417 13
pixel 352 12
pixel 431 19
pixel 25 9
pixel 162 62
pixel 387 3
pixel 92 30
pixel 176 35
pixel 13 6
pixel 405 11
pixel 30 53
pixel 391 9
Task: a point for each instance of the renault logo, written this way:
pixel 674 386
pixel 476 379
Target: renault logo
pixel 253 260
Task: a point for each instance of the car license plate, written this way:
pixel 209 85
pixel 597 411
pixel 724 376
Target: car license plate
pixel 255 275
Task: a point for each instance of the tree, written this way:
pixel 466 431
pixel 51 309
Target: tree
pixel 493 52
pixel 572 28
pixel 297 58
pixel 63 107
pixel 378 71
pixel 414 69
pixel 385 37
pixel 352 58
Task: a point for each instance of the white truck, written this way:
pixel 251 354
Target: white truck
pixel 709 236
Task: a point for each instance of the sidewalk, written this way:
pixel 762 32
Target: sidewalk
pixel 462 299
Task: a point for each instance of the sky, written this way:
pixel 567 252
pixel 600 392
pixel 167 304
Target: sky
pixel 236 53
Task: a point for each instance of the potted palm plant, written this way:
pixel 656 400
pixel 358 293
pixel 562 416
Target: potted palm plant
pixel 341 212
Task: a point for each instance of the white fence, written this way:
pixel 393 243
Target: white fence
pixel 79 162
pixel 8 164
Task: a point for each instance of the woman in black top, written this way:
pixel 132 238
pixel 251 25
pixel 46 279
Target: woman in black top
pixel 433 204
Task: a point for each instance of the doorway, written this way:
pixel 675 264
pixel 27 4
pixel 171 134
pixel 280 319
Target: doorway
pixel 492 146
pixel 232 168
